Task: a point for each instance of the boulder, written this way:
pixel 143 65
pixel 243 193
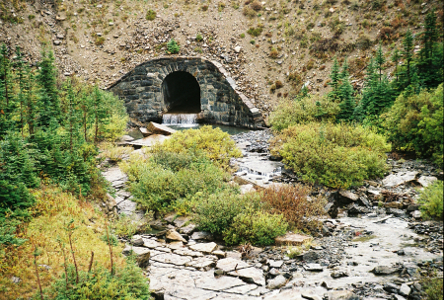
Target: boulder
pixel 426 180
pixel 277 282
pixel 145 132
pixel 160 129
pixel 204 247
pixel 175 236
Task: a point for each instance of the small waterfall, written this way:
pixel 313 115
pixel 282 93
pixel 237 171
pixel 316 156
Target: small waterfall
pixel 181 120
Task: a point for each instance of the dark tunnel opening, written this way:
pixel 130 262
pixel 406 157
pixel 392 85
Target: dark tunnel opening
pixel 181 93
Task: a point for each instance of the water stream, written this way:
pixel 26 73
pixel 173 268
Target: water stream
pixel 180 120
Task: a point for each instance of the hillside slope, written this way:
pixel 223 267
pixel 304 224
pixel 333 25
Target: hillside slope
pixel 259 43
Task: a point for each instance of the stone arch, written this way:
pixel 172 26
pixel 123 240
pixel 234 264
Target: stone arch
pixel 181 93
pixel 143 90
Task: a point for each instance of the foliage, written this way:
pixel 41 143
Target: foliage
pixel 302 111
pixel 128 283
pixel 160 182
pixel 258 227
pixel 52 211
pixel 431 200
pixel 217 145
pixel 415 123
pixel 433 288
pixel 216 213
pixel 113 152
pixel 173 47
pixel 295 204
pixel 150 15
pixel 337 156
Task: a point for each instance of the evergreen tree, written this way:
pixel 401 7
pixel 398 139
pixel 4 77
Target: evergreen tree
pixel 49 97
pixel 430 62
pixel 22 82
pixel 7 106
pixel 345 91
pixel 407 55
pixel 335 81
pixel 379 61
pixel 30 100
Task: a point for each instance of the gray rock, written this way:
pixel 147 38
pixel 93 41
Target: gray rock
pixel 218 284
pixel 416 214
pixel 310 256
pixel 339 274
pixel 342 295
pixel 404 290
pixel 230 264
pixel 202 235
pixel 274 272
pixel 188 252
pixel 180 221
pixel 201 263
pixel 391 288
pixel 285 295
pixel 314 267
pixel 250 275
pixel 175 236
pixel 277 282
pixel 187 229
pixel 174 259
pixel 204 247
pixel 393 180
pixel 149 243
pixel 426 180
pixel 136 240
pixel 384 270
pixel 275 263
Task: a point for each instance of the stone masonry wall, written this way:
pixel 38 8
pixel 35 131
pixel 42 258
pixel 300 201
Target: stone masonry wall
pixel 141 90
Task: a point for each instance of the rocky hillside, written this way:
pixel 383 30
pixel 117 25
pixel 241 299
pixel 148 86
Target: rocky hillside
pixel 271 48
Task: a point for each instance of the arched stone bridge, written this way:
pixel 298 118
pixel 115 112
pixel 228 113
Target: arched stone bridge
pixel 185 85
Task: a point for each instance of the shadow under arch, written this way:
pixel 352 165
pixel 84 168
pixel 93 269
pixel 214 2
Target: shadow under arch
pixel 181 93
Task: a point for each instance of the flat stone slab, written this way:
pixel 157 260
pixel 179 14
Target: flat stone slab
pixel 218 284
pixel 277 282
pixel 291 239
pixel 251 275
pixel 188 252
pixel 187 229
pixel 174 259
pixel 275 263
pixel 142 254
pixel 393 180
pixel 152 244
pixel 286 294
pixel 175 236
pixel 201 263
pixel 243 289
pixel 425 181
pixel 149 141
pixel 202 235
pixel 114 174
pixel 314 267
pixel 180 221
pixel 230 264
pixel 204 247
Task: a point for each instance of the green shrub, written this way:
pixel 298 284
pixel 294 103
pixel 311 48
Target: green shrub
pixel 431 200
pixel 150 15
pixel 308 109
pixel 433 288
pixel 216 214
pixel 199 37
pixel 173 47
pixel 254 31
pixel 338 156
pixel 415 123
pixel 259 228
pixel 168 178
pixel 127 283
pixel 213 142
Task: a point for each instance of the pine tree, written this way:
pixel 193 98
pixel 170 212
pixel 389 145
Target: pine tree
pixel 7 104
pixel 407 55
pixel 335 81
pixel 21 80
pixel 30 100
pixel 49 98
pixel 379 61
pixel 345 92
pixel 430 63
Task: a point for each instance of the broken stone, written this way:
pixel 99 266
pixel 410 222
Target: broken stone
pixel 136 240
pixel 187 229
pixel 384 270
pixel 314 267
pixel 425 181
pixel 275 263
pixel 171 258
pixel 160 129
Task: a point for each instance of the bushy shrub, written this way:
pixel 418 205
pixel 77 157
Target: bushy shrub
pixel 254 31
pixel 415 123
pixel 161 181
pixel 256 5
pixel 259 228
pixel 337 156
pixel 308 109
pixel 150 15
pixel 213 142
pixel 128 283
pixel 216 214
pixel 431 200
pixel 173 47
pixel 295 204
